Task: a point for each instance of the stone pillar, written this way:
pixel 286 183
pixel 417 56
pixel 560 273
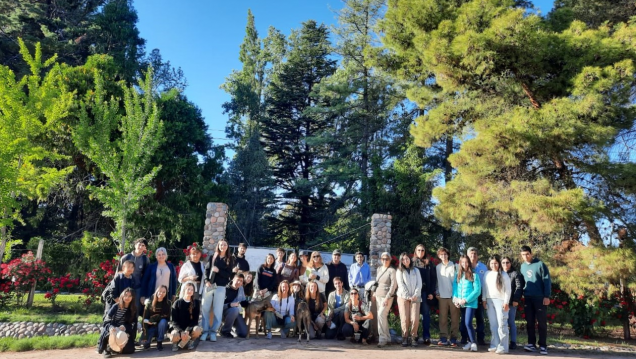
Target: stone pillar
pixel 215 224
pixel 380 240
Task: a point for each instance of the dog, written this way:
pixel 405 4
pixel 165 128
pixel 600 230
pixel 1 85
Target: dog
pixel 254 311
pixel 303 318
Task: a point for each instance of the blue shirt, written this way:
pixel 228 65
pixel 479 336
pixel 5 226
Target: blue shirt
pixel 359 275
pixel 480 269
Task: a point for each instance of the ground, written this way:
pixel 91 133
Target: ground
pixel 320 349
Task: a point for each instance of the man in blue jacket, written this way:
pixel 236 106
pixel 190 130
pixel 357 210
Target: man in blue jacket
pixel 537 292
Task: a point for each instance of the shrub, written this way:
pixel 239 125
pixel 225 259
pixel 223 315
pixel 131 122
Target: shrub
pixel 22 273
pixel 59 284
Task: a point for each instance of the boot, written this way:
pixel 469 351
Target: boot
pixel 405 341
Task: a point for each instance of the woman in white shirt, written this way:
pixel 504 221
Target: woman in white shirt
pixel 409 296
pixel 496 296
pixel 281 314
pixel 316 271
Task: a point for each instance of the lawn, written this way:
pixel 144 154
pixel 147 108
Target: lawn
pixel 69 310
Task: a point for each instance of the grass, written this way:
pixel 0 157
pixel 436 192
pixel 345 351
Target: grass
pixel 47 343
pixel 68 311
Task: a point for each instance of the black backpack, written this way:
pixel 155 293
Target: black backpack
pixel 107 294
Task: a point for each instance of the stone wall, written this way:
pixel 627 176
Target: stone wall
pixel 21 330
pixel 215 225
pixel 380 240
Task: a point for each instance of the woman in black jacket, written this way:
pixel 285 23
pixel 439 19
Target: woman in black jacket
pixel 185 317
pixel 122 316
pixel 429 283
pixel 266 278
pixel 516 283
pixel 156 316
pixel 218 274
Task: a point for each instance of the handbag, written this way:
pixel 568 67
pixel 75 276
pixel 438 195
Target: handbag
pixel 212 274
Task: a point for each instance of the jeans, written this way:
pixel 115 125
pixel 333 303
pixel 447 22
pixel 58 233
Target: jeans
pixel 511 323
pixel 479 314
pixel 271 321
pixel 467 319
pixel 536 312
pixel 347 330
pixel 213 300
pixel 498 319
pixel 232 318
pixel 159 329
pixel 425 311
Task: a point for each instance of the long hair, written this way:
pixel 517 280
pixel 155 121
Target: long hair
pixel 499 276
pixel 319 303
pixel 191 307
pixel 401 265
pixel 289 259
pixel 228 257
pixel 265 265
pixel 313 265
pixel 468 273
pixel 417 261
pixel 280 292
pixel 131 314
pixel 163 302
pixel 248 288
pixel 512 266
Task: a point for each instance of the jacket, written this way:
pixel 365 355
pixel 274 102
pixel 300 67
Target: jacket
pixel 337 270
pixel 187 270
pixel 409 284
pixel 429 278
pixel 150 280
pixel 516 286
pixel 445 277
pixel 181 317
pixel 468 290
pixel 224 275
pixel 331 302
pixel 322 277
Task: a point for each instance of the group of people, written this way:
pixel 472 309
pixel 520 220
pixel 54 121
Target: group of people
pixel 342 302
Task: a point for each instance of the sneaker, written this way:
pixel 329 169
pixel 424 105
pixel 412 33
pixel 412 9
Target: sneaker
pixel 492 349
pixel 500 350
pixel 513 345
pixel 420 341
pixel 191 345
pixel 269 335
pixel 414 342
pixel 405 342
pixel 107 354
pixel 175 347
pixel 443 343
pixel 213 337
pixel 530 348
pixel 204 336
pixel 543 351
pixel 467 346
pixel 453 343
pixel 473 347
pixel 146 345
pixel 283 335
pixel 159 346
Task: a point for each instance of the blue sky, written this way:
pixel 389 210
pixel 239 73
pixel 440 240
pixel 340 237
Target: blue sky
pixel 203 38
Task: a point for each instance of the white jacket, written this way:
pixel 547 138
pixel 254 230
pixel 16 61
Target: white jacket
pixel 489 287
pixel 187 270
pixel 409 284
pixel 321 272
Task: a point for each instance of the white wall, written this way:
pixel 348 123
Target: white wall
pixel 256 256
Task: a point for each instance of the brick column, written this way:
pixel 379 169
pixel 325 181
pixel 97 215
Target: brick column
pixel 215 224
pixel 380 240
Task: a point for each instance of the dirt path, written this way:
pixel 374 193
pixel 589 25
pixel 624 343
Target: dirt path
pixel 320 349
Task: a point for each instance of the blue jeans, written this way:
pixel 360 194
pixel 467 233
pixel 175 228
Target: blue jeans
pixel 232 318
pixel 159 329
pixel 467 319
pixel 270 321
pixel 425 311
pixel 479 314
pixel 213 300
pixel 511 323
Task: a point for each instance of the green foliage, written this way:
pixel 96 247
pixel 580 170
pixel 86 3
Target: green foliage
pixel 124 160
pixel 30 108
pixel 48 343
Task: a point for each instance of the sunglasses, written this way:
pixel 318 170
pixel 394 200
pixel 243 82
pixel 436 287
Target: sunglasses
pixel 315 256
pixel 354 293
pixel 386 259
pixel 505 262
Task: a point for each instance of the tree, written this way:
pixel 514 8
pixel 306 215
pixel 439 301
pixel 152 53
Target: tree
pixel 539 110
pixel 592 12
pixel 30 107
pixel 123 159
pixel 289 133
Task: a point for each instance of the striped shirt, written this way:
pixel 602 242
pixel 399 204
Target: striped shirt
pixel 119 316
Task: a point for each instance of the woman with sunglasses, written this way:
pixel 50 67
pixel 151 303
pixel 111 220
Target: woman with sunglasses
pixel 387 285
pixel 517 282
pixel 316 271
pixel 357 318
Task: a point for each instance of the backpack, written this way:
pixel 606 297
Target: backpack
pixel 107 294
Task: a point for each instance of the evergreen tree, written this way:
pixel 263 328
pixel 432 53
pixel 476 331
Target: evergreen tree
pixel 289 133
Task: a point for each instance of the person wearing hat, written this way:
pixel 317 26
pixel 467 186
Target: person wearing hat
pixel 139 257
pixel 120 326
pixel 337 269
pixel 359 273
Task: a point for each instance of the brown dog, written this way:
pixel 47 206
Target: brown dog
pixel 303 318
pixel 254 311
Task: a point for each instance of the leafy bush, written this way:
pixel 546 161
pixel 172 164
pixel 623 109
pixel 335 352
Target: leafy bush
pixel 22 273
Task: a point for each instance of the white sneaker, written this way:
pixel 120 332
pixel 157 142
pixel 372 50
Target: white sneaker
pixel 492 349
pixel 467 346
pixel 473 347
pixel 501 351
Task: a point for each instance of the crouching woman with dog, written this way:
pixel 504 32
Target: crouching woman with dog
pixel 120 326
pixel 185 317
pixel 358 318
pixel 281 313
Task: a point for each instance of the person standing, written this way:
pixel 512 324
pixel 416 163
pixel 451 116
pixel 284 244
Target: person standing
pixel 218 274
pixel 158 274
pixel 141 261
pixel 280 258
pixel 387 285
pixel 318 272
pixel 496 294
pixel 192 271
pixel 516 288
pixel 537 292
pixel 289 270
pixel 240 261
pixel 337 269
pixel 409 296
pixel 466 291
pixel 480 269
pixel 429 282
pixel 359 273
pixel 445 276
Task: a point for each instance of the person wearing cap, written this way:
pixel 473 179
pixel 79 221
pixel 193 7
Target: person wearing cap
pixel 139 257
pixel 336 303
pixel 298 293
pixel 120 326
pixel 480 269
pixel 337 269
pixel 359 273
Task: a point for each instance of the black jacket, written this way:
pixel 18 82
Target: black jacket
pixel 339 270
pixel 181 317
pixel 516 285
pixel 225 274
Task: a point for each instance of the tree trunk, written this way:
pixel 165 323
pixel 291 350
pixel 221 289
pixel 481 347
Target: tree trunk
pixel 123 236
pixel 3 244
